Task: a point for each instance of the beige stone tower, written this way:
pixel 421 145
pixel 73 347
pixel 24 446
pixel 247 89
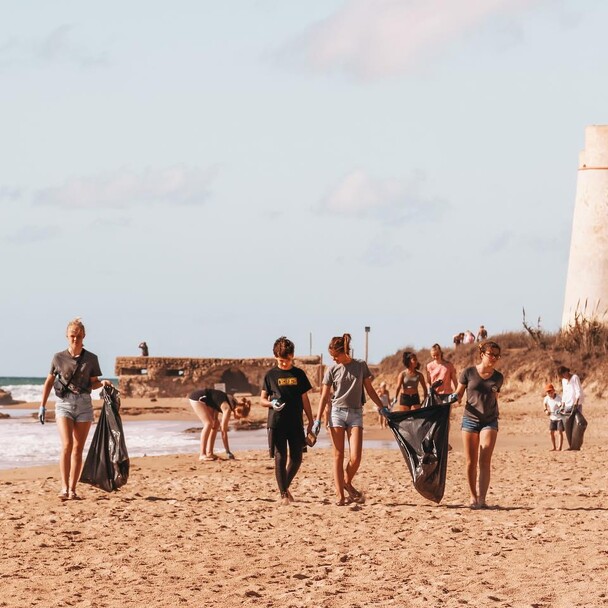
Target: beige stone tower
pixel 587 281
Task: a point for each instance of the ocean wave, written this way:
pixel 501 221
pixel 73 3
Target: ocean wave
pixel 32 393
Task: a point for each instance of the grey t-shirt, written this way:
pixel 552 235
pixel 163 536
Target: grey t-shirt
pixel 482 402
pixel 346 381
pixel 78 371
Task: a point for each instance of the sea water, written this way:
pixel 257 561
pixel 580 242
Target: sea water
pixel 24 442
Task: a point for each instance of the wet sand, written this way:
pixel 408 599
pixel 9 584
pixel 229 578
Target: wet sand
pixel 184 533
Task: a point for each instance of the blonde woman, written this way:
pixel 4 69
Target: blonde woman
pixel 74 374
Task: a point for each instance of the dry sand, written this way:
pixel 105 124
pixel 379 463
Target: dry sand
pixel 182 533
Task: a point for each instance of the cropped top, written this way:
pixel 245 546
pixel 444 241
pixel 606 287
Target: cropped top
pixel 410 382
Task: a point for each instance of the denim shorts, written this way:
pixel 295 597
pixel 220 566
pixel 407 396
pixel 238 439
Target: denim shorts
pixel 473 426
pixel 78 408
pixel 346 418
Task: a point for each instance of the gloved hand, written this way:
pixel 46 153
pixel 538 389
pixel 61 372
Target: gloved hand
pixel 277 405
pixel 41 414
pixel 316 427
pixel 453 397
pixel 384 411
pixel 394 401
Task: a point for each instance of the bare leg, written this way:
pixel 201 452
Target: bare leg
pixel 212 435
pixel 205 415
pixel 337 439
pixel 65 427
pixel 470 443
pixel 560 442
pixel 79 434
pixel 487 441
pixel 355 450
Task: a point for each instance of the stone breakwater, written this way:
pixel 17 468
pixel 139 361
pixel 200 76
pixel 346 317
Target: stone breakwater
pixel 156 377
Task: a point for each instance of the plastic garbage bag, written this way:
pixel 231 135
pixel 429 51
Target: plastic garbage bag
pixel 422 436
pixel 575 425
pixel 107 463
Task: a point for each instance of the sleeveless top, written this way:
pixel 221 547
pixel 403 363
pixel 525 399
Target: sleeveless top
pixel 410 381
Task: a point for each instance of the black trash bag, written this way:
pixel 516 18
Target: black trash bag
pixel 575 425
pixel 107 463
pixel 422 436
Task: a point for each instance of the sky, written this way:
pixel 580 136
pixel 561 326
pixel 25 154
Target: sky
pixel 208 176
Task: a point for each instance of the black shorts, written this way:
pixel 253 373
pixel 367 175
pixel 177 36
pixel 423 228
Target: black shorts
pixel 409 399
pixel 556 425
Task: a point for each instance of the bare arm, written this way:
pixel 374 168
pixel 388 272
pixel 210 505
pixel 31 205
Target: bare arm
pixel 399 385
pixel 323 401
pixel 264 399
pixel 97 383
pixel 453 379
pixel 460 391
pixel 226 411
pixel 307 411
pixel 46 389
pixel 423 383
pixel 371 391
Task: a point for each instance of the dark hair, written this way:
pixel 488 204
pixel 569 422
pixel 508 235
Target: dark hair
pixel 562 369
pixel 436 347
pixel 283 347
pixel 487 345
pixel 407 358
pixel 340 344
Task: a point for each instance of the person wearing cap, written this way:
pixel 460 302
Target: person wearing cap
pixel 552 404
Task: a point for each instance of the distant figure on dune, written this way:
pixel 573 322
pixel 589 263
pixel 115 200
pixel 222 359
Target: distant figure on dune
pixel 74 374
pixel 552 404
pixel 144 349
pixel 457 339
pixel 345 382
pixel 408 382
pixel 208 404
pixel 482 383
pixel 469 337
pixel 440 369
pixel 285 394
pixel 482 334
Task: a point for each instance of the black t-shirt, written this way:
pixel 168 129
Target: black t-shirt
pixel 288 385
pixel 211 397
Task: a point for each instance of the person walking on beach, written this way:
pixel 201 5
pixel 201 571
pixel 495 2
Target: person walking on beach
pixel 208 404
pixel 386 402
pixel 347 380
pixel 552 404
pixel 482 383
pixel 407 384
pixel 441 369
pixel 285 394
pixel 144 349
pixel 74 374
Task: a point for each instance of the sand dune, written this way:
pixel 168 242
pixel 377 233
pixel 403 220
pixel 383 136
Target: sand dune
pixel 182 533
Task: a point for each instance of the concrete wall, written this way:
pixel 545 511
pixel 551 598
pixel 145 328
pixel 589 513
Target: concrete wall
pixel 177 377
pixel 587 281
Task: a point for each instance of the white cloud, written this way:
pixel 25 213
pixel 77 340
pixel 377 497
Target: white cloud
pixel 58 46
pixel 377 38
pixel 179 185
pixel 390 199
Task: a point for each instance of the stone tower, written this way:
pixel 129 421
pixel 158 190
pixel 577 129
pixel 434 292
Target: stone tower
pixel 587 281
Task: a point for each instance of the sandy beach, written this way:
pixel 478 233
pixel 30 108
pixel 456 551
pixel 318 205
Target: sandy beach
pixel 184 533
